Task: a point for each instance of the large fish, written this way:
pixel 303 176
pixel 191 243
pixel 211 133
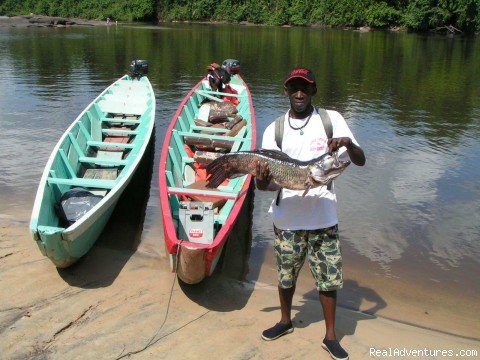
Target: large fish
pixel 285 172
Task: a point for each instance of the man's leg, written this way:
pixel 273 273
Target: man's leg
pixel 330 342
pixel 325 260
pixel 286 296
pixel 328 300
pixel 290 249
pixel 285 325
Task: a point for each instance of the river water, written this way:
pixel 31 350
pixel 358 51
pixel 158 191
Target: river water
pixel 409 219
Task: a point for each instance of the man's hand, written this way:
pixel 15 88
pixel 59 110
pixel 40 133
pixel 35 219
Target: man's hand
pixel 336 143
pixel 355 152
pixel 262 172
pixel 263 177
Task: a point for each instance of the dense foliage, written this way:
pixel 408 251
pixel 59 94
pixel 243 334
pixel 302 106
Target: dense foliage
pixel 88 9
pixel 416 15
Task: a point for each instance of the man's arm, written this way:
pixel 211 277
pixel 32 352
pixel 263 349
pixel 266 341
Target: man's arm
pixel 354 151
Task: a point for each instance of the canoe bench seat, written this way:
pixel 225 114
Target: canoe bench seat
pixel 103 161
pixel 205 141
pixel 202 186
pixel 82 182
pixel 123 132
pixel 111 144
pixel 200 192
pixel 125 119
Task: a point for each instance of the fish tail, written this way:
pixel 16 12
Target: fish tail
pixel 217 172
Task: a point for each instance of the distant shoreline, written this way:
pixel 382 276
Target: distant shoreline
pixel 24 21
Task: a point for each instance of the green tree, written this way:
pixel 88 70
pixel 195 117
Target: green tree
pixel 279 12
pixel 299 12
pixel 203 9
pixel 416 15
pixel 380 15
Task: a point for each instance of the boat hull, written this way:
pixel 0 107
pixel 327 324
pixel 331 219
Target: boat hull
pixel 128 102
pixel 193 261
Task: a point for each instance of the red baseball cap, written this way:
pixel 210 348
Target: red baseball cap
pixel 300 73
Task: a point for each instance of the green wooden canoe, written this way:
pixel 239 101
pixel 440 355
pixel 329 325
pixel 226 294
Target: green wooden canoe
pixel 99 152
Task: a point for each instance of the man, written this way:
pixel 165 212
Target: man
pixel 307 226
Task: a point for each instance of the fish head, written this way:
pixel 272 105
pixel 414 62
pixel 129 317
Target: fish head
pixel 327 168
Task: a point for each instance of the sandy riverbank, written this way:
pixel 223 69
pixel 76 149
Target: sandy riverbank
pixel 116 301
pixel 45 21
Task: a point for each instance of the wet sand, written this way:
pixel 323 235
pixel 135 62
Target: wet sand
pixel 118 303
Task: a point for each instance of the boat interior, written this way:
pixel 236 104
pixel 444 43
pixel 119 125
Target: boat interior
pixel 196 142
pixel 100 146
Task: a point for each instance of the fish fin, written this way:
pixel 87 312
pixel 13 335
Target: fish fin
pixel 309 183
pixel 277 154
pixel 221 169
pixel 217 172
pixel 306 190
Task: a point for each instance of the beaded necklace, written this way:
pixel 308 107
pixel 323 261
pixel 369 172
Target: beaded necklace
pixel 301 127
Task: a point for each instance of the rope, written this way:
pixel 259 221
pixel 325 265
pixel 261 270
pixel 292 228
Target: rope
pixel 151 341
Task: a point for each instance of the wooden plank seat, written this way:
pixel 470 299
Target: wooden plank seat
pixel 113 106
pixel 115 143
pixel 201 185
pixel 209 142
pixel 110 155
pixel 102 174
pixel 102 161
pixel 119 121
pixel 119 132
pixel 86 183
pixel 117 139
pixel 202 193
pixel 208 137
pixel 210 129
pixel 110 145
pixel 204 92
pixel 123 116
pixel 208 96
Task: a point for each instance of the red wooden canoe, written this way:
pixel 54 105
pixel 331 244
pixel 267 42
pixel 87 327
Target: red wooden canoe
pixel 197 221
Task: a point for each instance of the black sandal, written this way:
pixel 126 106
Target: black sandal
pixel 276 331
pixel 335 349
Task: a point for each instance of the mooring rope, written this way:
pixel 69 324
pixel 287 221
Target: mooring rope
pixel 152 339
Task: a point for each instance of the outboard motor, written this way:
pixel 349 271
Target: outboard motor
pixel 232 66
pixel 138 68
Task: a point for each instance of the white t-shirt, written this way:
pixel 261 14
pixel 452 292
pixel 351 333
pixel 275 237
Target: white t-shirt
pixel 318 209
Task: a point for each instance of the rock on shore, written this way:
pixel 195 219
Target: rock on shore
pixel 45 21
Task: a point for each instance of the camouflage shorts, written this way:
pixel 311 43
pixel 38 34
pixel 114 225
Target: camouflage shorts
pixel 324 257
